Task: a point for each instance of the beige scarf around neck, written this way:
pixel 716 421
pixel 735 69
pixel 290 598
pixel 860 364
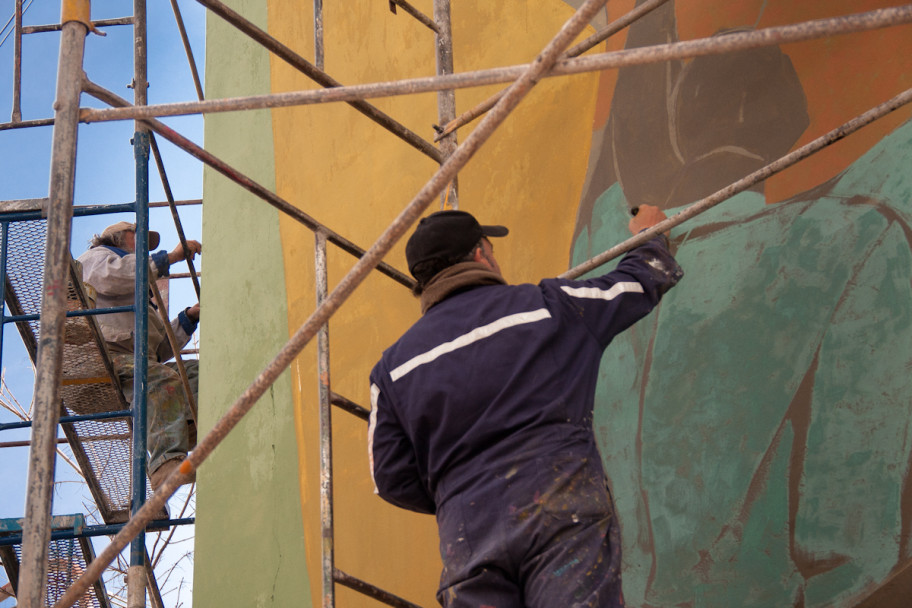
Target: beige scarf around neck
pixel 457 276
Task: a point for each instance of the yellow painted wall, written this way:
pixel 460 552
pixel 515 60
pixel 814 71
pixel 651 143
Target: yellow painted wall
pixel 355 177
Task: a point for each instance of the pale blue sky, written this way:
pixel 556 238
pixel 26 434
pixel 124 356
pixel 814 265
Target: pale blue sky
pixel 104 172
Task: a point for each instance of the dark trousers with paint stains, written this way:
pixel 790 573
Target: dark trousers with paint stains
pixel 170 430
pixel 543 537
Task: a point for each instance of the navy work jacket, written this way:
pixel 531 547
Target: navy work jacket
pixel 498 373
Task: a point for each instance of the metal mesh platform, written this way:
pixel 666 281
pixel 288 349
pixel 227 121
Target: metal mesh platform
pixel 89 385
pixel 67 560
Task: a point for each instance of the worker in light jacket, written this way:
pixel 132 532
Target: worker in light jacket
pixel 482 415
pixel 109 266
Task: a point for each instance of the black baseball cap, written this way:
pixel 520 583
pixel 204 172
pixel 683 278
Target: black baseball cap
pixel 446 235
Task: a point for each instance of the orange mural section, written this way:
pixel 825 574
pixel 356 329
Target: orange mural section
pixel 867 73
pixel 355 177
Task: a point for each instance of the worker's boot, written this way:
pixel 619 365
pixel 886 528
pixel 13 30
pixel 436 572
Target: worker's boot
pixel 159 475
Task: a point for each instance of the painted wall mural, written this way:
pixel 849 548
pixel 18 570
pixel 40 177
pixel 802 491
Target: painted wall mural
pixel 757 428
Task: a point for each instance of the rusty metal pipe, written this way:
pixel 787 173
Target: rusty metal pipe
pixel 318 34
pixel 614 27
pixel 185 40
pixel 17 65
pixel 175 348
pixel 414 12
pixel 738 41
pixel 743 184
pixel 189 201
pixel 178 226
pixel 183 275
pixel 25 124
pixel 55 27
pixel 371 591
pixel 323 394
pixel 339 295
pixel 24 444
pixel 36 532
pixel 350 406
pixel 446 98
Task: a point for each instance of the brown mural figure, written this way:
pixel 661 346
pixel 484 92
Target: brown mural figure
pixel 757 434
pixel 680 132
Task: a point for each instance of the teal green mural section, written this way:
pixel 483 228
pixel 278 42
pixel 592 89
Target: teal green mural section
pixel 249 548
pixel 756 426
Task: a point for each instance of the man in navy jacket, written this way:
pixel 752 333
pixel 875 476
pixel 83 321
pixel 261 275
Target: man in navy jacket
pixel 482 414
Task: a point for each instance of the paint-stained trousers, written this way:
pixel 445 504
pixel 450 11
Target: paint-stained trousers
pixel 170 431
pixel 556 545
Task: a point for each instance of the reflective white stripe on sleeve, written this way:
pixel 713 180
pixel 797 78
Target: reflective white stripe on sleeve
pixel 479 333
pixel 594 293
pixel 371 426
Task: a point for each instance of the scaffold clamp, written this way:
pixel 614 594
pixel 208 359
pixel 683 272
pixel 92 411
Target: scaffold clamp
pixel 81 11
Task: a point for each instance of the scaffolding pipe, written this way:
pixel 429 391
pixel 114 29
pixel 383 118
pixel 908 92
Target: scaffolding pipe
pixel 175 348
pixel 38 207
pixel 70 313
pixel 17 65
pixel 319 76
pixel 189 201
pixel 339 295
pixel 326 463
pixel 24 424
pixel 55 27
pixel 136 589
pixel 152 584
pixel 371 591
pixel 248 184
pixel 36 531
pixel 24 444
pixel 350 406
pixel 414 12
pixel 446 98
pixel 4 251
pixel 178 226
pixel 717 45
pixel 575 51
pixel 614 27
pixel 136 579
pixel 318 33
pixel 187 50
pixel 27 124
pixel 742 184
pixel 98 530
